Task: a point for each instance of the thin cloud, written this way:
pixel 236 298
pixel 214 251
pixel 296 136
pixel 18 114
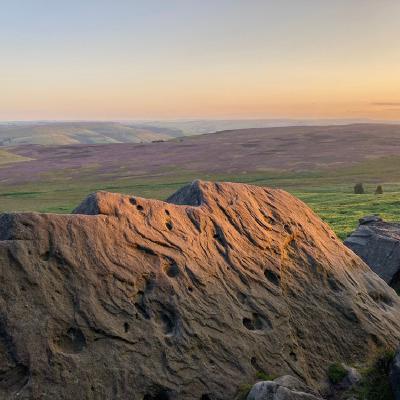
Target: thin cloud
pixel 386 104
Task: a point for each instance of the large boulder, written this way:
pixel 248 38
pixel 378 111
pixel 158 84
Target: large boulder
pixel 378 243
pixel 185 299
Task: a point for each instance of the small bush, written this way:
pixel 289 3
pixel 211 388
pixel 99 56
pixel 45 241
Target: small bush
pixel 379 189
pixel 359 188
pixel 262 376
pixel 243 391
pixel 336 373
pixel 375 384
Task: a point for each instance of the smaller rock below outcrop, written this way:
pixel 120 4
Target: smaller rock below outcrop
pixel 394 375
pixel 369 218
pixel 284 388
pixel 378 243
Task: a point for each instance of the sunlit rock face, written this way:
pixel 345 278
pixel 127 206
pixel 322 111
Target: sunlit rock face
pixel 131 298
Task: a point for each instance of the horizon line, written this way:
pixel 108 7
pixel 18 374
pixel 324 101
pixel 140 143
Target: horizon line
pixel 199 119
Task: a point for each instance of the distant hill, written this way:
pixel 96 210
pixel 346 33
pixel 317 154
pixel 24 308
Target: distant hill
pixel 228 152
pixel 103 132
pixel 201 126
pixel 66 133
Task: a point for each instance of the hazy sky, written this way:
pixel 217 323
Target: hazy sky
pixel 127 59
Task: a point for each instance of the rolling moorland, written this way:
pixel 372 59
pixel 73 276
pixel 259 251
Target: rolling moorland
pixel 102 132
pixel 318 164
pixel 64 133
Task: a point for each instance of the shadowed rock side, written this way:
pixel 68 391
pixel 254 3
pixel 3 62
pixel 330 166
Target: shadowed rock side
pixel 185 299
pixel 378 243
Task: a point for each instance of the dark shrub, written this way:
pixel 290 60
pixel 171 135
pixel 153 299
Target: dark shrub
pixel 336 373
pixel 359 188
pixel 262 376
pixel 375 384
pixel 243 392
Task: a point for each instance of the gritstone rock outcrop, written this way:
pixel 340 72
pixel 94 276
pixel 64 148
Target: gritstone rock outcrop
pixel 186 299
pixel 378 243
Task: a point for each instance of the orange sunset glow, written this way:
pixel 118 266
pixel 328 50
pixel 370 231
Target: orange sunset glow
pixel 192 59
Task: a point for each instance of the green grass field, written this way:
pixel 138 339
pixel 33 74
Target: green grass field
pixel 328 192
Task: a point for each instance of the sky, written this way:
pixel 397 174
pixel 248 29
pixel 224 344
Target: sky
pixel 173 59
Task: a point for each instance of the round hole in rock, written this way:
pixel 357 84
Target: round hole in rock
pixel 133 201
pixel 169 225
pixel 248 324
pixel 375 340
pixel 256 323
pixel 72 341
pixel 190 289
pixel 139 207
pixel 172 270
pixel 272 277
pixel 126 327
pixel 254 363
pixel 167 212
pixel 160 395
pixel 168 323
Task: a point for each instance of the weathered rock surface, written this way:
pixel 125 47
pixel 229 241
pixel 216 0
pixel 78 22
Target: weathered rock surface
pixel 184 299
pixel 378 243
pixel 294 383
pixel 283 388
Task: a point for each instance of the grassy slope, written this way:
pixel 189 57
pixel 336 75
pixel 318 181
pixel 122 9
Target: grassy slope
pixel 6 157
pixel 64 133
pixel 328 192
